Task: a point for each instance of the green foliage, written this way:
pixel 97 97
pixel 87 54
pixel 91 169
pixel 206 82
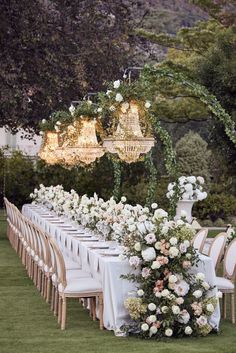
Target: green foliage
pixel 18 177
pixel 52 54
pixel 193 156
pixel 216 206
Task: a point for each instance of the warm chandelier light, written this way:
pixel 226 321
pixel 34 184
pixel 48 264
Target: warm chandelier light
pixel 128 140
pixel 48 151
pixel 81 144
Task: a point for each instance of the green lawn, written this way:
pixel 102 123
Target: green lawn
pixel 28 326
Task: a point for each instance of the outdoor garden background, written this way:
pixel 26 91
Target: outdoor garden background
pixel 54 52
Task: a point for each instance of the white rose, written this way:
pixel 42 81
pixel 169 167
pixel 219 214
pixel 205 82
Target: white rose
pixel 170 186
pixel 181 288
pixel 205 285
pixel 149 254
pixel 188 330
pixel 187 243
pixel 173 241
pixel 108 92
pixel 99 110
pixel 155 265
pixel 173 252
pixel 72 109
pixel 116 84
pixel 165 292
pixel 200 276
pixel 152 318
pixel 112 108
pixel 144 327
pixel 157 245
pixel 188 256
pixel 137 246
pixel 134 261
pixel 210 308
pixel 175 309
pixel 124 107
pixel 168 332
pixel 219 294
pixel 200 180
pixel 154 205
pixel 147 104
pixel 160 213
pixel 197 293
pixel 179 300
pixel 132 227
pixel 152 306
pixel 123 199
pixel 44 121
pixel 164 309
pixel 191 179
pixel 140 292
pixel 153 330
pixel 172 279
pixel 119 97
pixel 180 222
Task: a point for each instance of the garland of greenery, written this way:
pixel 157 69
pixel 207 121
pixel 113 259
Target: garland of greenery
pixel 117 169
pixel 150 166
pixel 151 72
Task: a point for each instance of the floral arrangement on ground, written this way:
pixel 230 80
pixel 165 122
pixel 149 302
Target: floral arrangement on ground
pixel 172 300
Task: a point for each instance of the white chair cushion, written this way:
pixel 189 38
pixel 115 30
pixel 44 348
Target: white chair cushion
pixel 81 285
pixel 70 264
pixel 224 283
pixel 71 274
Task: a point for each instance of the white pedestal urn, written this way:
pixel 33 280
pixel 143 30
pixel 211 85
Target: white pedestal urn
pixel 185 205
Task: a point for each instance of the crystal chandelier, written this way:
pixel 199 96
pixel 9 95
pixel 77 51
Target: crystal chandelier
pixel 48 151
pixel 81 144
pixel 128 140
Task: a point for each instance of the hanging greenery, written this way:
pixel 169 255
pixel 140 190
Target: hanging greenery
pixel 150 166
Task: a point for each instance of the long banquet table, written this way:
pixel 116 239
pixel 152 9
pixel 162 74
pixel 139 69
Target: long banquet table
pixel 104 267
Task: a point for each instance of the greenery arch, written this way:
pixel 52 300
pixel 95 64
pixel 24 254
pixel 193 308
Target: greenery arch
pixel 151 73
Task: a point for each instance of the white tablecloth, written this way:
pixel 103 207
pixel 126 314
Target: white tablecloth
pixel 107 269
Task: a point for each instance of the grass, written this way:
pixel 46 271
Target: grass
pixel 28 326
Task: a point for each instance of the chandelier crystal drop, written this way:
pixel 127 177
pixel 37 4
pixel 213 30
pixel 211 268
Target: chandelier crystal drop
pixel 81 144
pixel 48 151
pixel 128 140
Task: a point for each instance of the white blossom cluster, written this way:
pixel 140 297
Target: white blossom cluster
pixel 188 188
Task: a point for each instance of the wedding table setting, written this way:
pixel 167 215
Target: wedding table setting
pixel 107 260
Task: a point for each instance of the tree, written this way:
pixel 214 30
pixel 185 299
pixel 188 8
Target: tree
pixel 55 51
pixel 193 156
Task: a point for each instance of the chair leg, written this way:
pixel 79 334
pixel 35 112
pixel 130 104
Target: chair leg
pixel 63 314
pixel 48 289
pixel 59 309
pixel 100 302
pixel 224 299
pixel 56 303
pixel 93 300
pixel 52 298
pixel 232 308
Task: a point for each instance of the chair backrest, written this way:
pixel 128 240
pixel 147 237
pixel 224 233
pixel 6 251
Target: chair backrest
pixel 58 262
pixel 230 261
pixel 217 248
pixel 199 239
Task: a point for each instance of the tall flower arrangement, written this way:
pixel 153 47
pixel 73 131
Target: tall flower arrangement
pixel 187 188
pixel 170 300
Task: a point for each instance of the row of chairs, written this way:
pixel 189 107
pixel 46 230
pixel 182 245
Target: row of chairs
pixel 46 265
pixel 219 251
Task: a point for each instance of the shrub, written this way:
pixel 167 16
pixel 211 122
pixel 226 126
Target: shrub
pixel 193 156
pixel 216 206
